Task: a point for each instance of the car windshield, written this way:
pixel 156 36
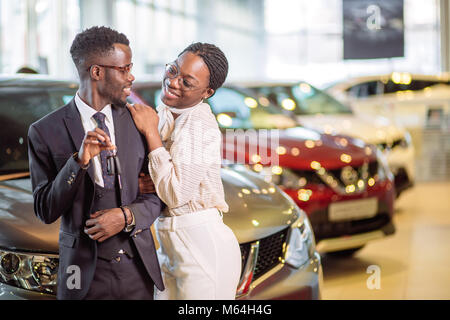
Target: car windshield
pixel 303 99
pixel 19 107
pixel 235 109
pixel 238 110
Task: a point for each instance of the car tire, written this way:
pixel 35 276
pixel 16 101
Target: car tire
pixel 345 253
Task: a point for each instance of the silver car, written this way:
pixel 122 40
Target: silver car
pixel 279 259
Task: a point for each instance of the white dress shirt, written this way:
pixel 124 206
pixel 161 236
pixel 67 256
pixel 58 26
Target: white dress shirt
pixel 186 171
pixel 89 124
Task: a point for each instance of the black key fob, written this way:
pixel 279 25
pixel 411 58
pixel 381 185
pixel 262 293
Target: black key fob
pixel 117 171
pixel 111 165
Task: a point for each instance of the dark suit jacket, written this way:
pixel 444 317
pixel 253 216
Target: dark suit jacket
pixel 62 189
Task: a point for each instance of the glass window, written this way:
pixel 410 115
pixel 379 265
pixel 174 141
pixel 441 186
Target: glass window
pixel 235 109
pixel 161 3
pixel 19 107
pixel 314 101
pixel 415 85
pixel 190 7
pixel 303 99
pixel 38 34
pixel 160 29
pixel 13 22
pixel 177 5
pixel 391 87
pixel 150 95
pixel 230 109
pixel 366 89
pixel 157 98
pixel 304 41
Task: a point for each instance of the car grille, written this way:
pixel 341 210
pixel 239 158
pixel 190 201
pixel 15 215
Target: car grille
pixel 245 249
pixel 360 171
pixel 310 176
pixel 271 251
pixel 326 230
pixel 337 183
pixel 342 179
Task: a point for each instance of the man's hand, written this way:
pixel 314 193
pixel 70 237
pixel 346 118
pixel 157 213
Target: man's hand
pixel 93 143
pixel 146 184
pixel 104 224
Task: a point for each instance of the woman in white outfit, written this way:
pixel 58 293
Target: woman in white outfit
pixel 199 255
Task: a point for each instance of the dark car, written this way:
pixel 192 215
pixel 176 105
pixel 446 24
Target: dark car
pixel 279 260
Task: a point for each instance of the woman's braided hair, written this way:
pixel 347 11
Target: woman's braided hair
pixel 214 59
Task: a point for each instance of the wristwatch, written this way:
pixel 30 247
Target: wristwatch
pixel 75 156
pixel 129 227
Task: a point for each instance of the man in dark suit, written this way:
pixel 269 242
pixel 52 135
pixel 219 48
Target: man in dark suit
pixel 106 247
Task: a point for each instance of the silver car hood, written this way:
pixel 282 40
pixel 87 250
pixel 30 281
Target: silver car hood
pixel 257 210
pixel 20 229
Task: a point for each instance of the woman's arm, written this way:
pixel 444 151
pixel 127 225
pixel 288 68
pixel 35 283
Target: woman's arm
pixel 146 120
pixel 177 175
pixel 196 149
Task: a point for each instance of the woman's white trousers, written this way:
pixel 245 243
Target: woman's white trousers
pixel 199 256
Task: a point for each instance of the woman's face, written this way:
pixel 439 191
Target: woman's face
pixel 186 82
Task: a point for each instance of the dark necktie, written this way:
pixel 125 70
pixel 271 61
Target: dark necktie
pixel 108 180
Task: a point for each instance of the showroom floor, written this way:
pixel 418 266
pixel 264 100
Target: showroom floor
pixel 414 263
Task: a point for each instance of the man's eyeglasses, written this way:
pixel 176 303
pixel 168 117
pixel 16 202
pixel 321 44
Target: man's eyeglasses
pixel 173 71
pixel 125 69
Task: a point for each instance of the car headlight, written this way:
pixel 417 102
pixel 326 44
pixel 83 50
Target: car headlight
pixel 301 243
pixel 36 272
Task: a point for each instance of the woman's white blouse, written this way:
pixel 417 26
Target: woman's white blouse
pixel 186 171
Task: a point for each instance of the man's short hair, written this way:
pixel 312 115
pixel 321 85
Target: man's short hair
pixel 95 41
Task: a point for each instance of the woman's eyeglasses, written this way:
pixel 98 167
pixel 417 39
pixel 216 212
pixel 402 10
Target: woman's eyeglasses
pixel 125 69
pixel 172 71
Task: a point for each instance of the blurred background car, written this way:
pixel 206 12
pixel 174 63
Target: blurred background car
pixel 411 100
pixel 279 259
pixel 317 110
pixel 343 184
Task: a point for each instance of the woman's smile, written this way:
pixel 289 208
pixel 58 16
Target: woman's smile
pixel 170 93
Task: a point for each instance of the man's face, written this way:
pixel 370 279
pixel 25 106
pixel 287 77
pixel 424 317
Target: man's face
pixel 117 83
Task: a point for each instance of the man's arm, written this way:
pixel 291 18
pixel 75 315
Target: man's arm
pixel 140 213
pixel 148 206
pixel 145 209
pixel 53 191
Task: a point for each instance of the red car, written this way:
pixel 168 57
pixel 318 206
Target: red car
pixel 343 184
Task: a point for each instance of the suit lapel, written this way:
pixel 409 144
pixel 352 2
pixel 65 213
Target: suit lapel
pixel 75 128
